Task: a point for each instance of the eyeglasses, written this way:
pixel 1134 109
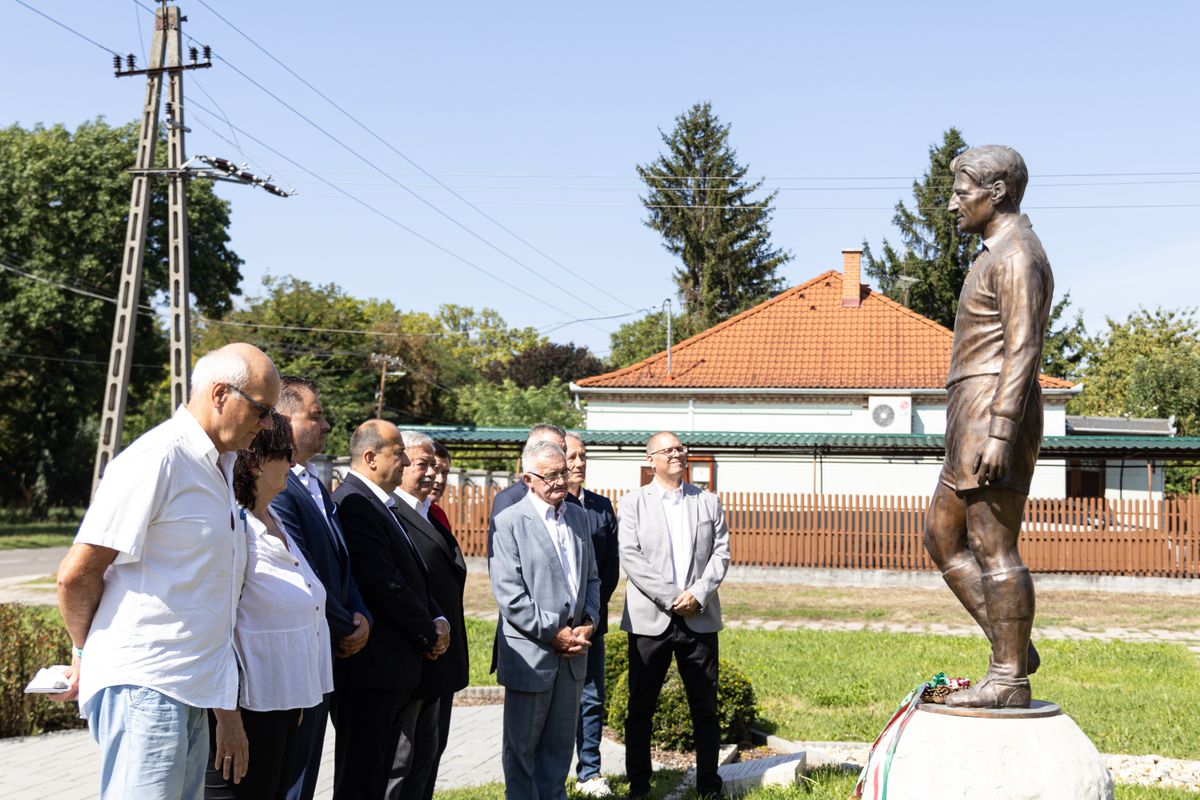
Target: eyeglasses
pixel 670 451
pixel 263 411
pixel 550 480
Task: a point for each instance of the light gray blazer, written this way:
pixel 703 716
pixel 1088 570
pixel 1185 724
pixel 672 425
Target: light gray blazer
pixel 527 582
pixel 646 558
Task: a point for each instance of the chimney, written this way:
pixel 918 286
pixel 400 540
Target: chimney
pixel 851 278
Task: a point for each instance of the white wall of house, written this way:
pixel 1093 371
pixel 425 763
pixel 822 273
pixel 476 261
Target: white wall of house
pixel 1128 480
pixel 794 414
pixel 763 414
pixel 798 474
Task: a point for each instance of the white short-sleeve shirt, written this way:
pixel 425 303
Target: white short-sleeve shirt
pixel 166 617
pixel 282 633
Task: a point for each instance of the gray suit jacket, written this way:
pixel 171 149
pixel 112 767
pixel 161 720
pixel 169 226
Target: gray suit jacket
pixel 528 584
pixel 646 559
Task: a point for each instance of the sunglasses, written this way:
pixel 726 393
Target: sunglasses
pixel 263 411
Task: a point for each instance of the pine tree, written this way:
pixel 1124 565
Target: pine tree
pixel 927 274
pixel 699 200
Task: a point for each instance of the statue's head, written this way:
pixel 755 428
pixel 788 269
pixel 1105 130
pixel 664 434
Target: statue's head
pixel 988 180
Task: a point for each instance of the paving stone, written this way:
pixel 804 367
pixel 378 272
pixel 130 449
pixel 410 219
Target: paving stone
pixel 745 776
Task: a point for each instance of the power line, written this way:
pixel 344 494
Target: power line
pixel 414 164
pixel 65 287
pixel 67 27
pixel 381 171
pixel 32 357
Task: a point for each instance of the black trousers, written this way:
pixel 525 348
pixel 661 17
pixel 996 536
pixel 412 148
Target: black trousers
pixel 416 750
pixel 445 708
pixel 649 658
pixel 368 724
pixel 272 740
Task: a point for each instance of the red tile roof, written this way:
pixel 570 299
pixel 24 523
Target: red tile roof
pixel 804 338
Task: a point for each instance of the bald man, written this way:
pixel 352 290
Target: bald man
pixel 149 590
pixel 375 710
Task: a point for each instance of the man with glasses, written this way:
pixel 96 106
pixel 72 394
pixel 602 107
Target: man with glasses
pixel 544 580
pixel 604 544
pixel 149 590
pixel 675 549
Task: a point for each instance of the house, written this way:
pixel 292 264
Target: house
pixel 826 388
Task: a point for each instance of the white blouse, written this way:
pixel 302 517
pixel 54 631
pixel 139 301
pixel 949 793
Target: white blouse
pixel 282 636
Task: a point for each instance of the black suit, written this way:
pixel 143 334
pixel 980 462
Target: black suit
pixel 448 578
pixel 322 542
pixel 378 682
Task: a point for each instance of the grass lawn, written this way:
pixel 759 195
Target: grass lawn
pixel 661 784
pixel 1087 610
pixel 822 784
pixel 843 686
pixel 15 535
pixel 815 685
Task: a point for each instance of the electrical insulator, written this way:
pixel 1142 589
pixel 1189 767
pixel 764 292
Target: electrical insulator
pixel 130 61
pixel 117 63
pixel 207 53
pixel 194 53
pixel 170 110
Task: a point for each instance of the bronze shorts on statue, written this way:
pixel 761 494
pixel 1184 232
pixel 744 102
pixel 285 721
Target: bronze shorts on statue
pixel 968 416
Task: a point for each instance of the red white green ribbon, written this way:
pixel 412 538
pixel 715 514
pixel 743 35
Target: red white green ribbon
pixel 898 722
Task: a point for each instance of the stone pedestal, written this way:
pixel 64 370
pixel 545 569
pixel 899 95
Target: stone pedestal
pixel 999 754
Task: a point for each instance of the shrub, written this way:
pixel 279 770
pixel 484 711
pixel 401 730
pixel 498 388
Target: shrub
pixel 33 638
pixel 736 707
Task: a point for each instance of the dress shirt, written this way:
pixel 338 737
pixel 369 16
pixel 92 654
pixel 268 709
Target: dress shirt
pixel 308 476
pixel 420 506
pixel 560 539
pixel 681 540
pixel 166 616
pixel 385 498
pixel 282 633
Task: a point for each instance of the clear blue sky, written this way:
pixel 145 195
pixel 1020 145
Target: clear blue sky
pixel 569 97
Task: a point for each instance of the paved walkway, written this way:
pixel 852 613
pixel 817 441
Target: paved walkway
pixel 66 766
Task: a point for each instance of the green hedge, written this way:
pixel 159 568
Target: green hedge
pixel 736 706
pixel 33 638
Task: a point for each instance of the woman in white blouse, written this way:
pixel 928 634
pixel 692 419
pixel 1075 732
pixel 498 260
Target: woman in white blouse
pixel 281 636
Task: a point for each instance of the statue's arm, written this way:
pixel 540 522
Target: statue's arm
pixel 1023 289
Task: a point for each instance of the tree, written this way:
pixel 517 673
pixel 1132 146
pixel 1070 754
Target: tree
pixel 644 337
pixel 927 274
pixel 699 200
pixel 510 406
pixel 64 198
pixel 538 364
pixel 1146 366
pixel 1064 348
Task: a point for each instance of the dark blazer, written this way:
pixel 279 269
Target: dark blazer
pixel 394 585
pixel 603 522
pixel 447 579
pixel 319 541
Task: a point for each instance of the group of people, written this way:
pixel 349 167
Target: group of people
pixel 223 605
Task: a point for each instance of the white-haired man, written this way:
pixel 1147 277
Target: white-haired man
pixel 149 590
pixel 543 576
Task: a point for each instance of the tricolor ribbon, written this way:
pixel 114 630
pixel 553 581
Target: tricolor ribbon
pixel 898 721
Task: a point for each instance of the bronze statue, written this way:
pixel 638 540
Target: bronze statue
pixel 993 421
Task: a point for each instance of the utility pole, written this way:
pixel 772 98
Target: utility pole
pixel 166 45
pixel 388 365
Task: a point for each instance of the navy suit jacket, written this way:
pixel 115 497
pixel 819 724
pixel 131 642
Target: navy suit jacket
pixel 395 585
pixel 323 552
pixel 603 522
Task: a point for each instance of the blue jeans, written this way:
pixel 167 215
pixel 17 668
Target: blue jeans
pixel 153 747
pixel 591 713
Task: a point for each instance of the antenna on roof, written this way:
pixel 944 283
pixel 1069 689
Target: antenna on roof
pixel 667 307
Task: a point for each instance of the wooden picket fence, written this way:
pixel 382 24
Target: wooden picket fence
pixel 1073 535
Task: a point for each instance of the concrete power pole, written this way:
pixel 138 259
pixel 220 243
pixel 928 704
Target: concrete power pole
pixel 166 42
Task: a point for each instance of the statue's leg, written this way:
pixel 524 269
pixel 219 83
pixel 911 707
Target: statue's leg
pixel 945 540
pixel 993 523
